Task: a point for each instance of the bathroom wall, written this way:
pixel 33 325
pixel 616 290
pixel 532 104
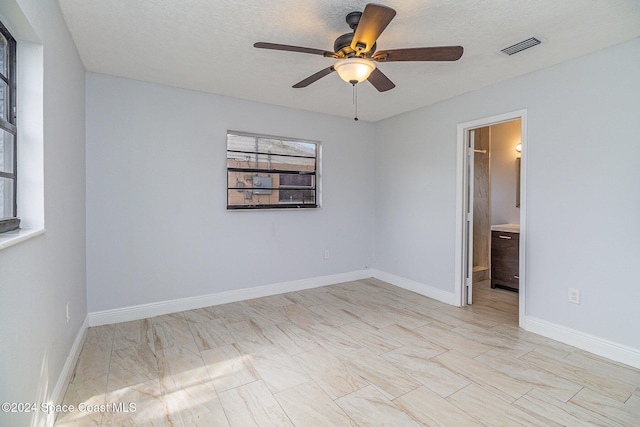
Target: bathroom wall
pixel 481 203
pixel 494 188
pixel 504 138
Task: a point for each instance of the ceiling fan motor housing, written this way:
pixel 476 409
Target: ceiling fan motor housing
pixel 342 44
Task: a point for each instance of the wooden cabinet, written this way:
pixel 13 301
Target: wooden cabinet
pixel 505 260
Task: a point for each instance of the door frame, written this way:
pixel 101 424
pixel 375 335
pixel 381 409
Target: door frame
pixel 462 186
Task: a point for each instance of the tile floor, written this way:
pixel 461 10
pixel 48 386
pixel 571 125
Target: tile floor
pixel 362 353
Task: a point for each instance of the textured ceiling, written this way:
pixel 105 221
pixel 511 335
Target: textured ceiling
pixel 207 45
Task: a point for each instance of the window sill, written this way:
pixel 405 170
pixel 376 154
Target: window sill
pixel 268 207
pixel 11 238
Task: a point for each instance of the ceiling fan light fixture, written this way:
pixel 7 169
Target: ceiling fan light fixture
pixel 354 70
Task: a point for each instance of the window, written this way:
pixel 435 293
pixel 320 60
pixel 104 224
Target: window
pixel 265 172
pixel 8 133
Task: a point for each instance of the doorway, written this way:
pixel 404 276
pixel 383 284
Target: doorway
pixel 474 204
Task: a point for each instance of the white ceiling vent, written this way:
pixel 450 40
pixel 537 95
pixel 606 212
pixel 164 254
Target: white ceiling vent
pixel 519 47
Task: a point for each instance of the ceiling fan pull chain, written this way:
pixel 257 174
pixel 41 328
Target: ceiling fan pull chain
pixel 355 100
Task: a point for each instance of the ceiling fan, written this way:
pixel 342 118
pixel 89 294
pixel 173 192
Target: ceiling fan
pixel 356 54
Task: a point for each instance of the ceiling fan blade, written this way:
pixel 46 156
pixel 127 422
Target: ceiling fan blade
pixel 380 81
pixel 373 21
pixel 314 77
pixel 288 48
pixel 443 53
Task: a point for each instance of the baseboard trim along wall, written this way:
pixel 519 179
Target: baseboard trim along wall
pixel 417 287
pixel 67 370
pixel 144 311
pixel 601 347
pixel 593 344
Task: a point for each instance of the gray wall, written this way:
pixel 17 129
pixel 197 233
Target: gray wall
pixel 582 190
pixel 157 224
pixel 38 277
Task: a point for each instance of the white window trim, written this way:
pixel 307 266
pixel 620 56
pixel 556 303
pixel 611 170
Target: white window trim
pixel 30 103
pixel 11 238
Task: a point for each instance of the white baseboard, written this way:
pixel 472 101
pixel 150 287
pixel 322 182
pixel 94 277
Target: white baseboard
pixel 602 347
pixel 417 287
pixel 144 311
pixel 596 345
pixel 593 344
pixel 57 394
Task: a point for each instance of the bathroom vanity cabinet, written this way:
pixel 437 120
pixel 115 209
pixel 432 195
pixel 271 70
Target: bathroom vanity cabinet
pixel 505 258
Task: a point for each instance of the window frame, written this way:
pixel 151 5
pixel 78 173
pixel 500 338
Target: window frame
pixel 279 204
pixel 10 223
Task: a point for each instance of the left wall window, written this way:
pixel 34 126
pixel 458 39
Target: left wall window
pixel 8 133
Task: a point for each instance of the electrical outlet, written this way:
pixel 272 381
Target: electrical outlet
pixel 574 296
pixel 68 313
pixel 326 254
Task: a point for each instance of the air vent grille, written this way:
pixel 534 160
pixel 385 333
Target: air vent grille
pixel 519 47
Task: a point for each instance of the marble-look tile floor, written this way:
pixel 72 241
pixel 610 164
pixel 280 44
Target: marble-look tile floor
pixel 362 353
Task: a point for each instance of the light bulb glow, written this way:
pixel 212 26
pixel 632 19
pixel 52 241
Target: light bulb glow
pixel 354 69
